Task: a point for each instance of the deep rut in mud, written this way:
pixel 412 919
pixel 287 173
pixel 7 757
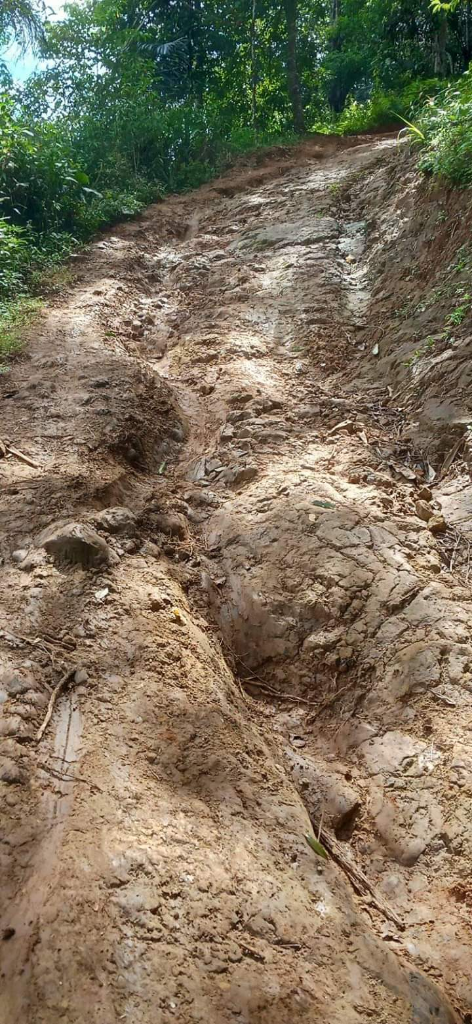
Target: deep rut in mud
pixel 229 534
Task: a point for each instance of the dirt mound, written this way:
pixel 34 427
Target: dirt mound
pixel 236 613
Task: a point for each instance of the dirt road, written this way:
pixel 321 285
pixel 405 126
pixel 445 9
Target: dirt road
pixel 227 534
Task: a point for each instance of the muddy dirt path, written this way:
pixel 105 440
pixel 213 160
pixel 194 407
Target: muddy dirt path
pixel 226 536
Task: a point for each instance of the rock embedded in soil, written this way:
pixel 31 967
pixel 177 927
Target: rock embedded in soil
pixel 173 524
pixel 240 475
pixel 77 543
pixel 437 524
pixel 10 772
pixel 424 511
pixel 19 555
pixel 116 520
pixel 14 685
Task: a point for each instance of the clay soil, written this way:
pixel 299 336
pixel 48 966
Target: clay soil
pixel 241 534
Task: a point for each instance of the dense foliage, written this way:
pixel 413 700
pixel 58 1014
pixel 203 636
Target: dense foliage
pixel 445 127
pixel 137 97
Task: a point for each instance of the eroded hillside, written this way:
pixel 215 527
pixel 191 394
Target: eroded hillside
pixel 237 549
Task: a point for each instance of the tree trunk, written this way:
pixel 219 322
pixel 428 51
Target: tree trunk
pixel 253 64
pixel 293 79
pixel 337 91
pixel 440 40
pixel 196 55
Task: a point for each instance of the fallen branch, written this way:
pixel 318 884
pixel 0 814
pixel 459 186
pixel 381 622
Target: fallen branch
pixel 10 450
pixel 357 878
pixel 53 698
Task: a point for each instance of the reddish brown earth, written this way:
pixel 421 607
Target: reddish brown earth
pixel 246 532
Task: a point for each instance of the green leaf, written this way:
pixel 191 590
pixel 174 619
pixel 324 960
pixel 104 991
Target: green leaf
pixel 413 127
pixel 316 846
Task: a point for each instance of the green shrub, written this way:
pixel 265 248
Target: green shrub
pixel 446 124
pixel 14 258
pixel 380 109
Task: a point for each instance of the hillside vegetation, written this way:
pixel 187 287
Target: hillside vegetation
pixel 135 99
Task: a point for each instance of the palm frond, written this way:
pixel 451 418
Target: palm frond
pixel 172 57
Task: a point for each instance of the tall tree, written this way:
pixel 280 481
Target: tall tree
pixel 293 78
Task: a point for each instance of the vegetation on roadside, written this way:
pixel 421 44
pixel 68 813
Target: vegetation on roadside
pixel 136 98
pixel 445 123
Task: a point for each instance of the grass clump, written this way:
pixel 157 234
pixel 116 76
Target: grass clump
pixel 15 315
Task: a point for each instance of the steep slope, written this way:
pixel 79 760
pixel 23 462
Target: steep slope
pixel 220 539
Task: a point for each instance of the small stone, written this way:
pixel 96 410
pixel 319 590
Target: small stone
pixel 425 494
pixel 81 676
pixel 241 475
pixel 19 555
pixel 151 549
pixel 298 741
pixel 10 725
pixel 10 772
pixel 212 465
pixel 235 955
pixel 130 546
pixel 15 686
pixel 116 520
pixel 344 653
pixel 424 511
pixel 177 433
pixel 437 524
pixel 173 524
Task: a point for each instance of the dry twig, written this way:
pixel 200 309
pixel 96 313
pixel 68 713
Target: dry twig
pixel 52 700
pixel 10 450
pixel 356 876
pixel 63 776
